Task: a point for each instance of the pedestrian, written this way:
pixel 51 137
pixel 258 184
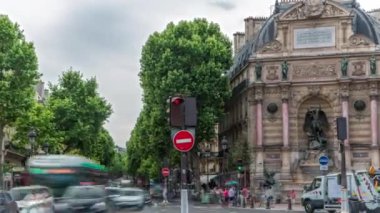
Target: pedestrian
pixel 245 193
pixel 293 196
pixel 225 195
pixel 231 196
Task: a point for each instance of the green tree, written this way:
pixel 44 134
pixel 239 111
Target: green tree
pixel 79 112
pixel 18 74
pixel 102 149
pixel 189 58
pixel 40 117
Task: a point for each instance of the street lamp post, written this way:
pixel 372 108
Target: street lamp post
pixel 46 148
pixel 207 155
pixel 224 147
pixel 32 139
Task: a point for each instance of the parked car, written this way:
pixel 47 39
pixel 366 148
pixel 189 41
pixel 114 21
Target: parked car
pixel 147 198
pixel 83 199
pixel 27 196
pixel 7 204
pixel 37 208
pixel 125 197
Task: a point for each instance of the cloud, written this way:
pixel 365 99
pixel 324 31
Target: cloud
pixel 224 4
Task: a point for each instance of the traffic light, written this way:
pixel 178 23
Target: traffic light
pixel 183 111
pixel 177 112
pixel 240 165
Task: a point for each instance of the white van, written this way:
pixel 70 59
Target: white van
pixel 325 193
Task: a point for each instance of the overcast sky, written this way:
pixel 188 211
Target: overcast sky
pixel 103 38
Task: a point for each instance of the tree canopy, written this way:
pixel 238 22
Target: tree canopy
pixel 188 58
pixel 78 110
pixel 18 74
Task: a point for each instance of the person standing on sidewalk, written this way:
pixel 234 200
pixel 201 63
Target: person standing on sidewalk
pixel 245 194
pixel 225 196
pixel 231 196
pixel 293 196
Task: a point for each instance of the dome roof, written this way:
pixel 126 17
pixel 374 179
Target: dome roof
pixel 363 24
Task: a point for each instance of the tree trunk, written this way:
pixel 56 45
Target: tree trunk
pixel 197 181
pixel 2 126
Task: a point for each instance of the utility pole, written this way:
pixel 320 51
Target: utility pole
pixel 341 123
pixel 183 115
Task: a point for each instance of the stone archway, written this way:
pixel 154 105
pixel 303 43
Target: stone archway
pixel 309 165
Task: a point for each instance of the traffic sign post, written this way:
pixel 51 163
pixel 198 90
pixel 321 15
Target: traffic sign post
pixel 183 141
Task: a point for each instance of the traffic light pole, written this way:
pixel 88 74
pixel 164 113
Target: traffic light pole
pixel 344 179
pixel 184 198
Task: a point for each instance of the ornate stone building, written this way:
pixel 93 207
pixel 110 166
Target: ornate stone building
pixel 310 62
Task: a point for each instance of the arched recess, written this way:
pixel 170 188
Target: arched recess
pixel 312 102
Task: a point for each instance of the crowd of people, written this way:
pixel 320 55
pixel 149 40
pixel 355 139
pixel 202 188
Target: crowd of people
pixel 231 196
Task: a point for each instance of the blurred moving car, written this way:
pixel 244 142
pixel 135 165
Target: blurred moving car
pixel 27 196
pixel 125 198
pixel 83 199
pixel 156 190
pixel 37 208
pixel 7 204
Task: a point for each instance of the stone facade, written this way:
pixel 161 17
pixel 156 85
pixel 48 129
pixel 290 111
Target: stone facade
pixel 300 50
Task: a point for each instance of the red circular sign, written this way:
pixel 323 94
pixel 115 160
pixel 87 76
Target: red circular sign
pixel 165 172
pixel 183 141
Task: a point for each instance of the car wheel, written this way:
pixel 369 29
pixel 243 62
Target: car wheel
pixel 309 208
pixel 140 208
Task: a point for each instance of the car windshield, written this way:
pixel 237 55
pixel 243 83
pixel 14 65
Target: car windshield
pixel 132 193
pixel 29 193
pixel 84 192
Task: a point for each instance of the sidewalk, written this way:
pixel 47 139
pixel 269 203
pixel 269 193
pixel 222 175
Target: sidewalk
pixel 275 207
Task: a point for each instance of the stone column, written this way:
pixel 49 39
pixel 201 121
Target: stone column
pixel 344 95
pixel 374 120
pixel 285 168
pixel 259 131
pixel 374 136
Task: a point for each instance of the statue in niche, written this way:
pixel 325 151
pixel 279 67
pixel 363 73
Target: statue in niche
pixel 344 66
pixel 269 179
pixel 258 71
pixel 315 127
pixel 372 65
pixel 285 68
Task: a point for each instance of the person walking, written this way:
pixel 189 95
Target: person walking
pixel 245 194
pixel 231 196
pixel 225 196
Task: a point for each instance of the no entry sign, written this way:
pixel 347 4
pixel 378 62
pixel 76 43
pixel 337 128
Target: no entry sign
pixel 165 171
pixel 183 141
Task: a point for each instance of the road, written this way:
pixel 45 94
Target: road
pixel 199 209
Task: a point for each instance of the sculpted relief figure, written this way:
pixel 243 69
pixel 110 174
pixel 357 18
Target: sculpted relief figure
pixel 285 68
pixel 258 71
pixel 313 8
pixel 315 127
pixel 344 66
pixel 372 65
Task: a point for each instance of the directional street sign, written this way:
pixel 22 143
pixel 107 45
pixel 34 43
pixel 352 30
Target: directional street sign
pixel 165 171
pixel 183 141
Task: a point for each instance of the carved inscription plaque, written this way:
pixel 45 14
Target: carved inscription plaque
pixel 314 37
pixel 309 71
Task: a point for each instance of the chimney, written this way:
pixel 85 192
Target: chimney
pixel 238 41
pixel 253 26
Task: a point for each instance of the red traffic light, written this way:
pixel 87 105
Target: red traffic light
pixel 177 100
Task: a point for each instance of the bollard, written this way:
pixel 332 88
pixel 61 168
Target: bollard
pixel 252 202
pixel 289 204
pixel 268 204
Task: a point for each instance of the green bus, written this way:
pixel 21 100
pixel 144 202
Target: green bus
pixel 61 171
